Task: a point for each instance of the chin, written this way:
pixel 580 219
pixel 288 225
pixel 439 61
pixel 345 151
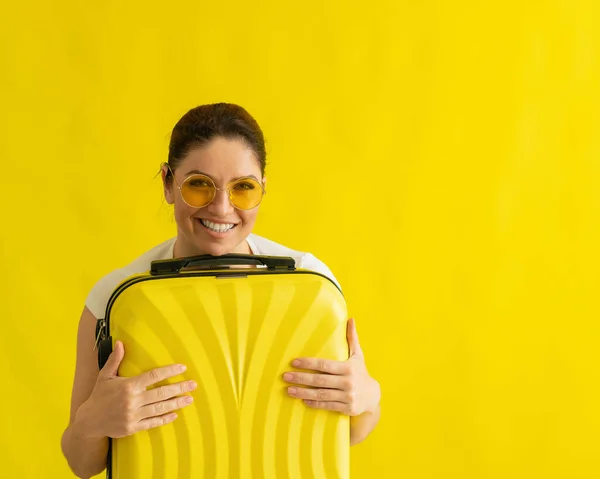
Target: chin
pixel 215 249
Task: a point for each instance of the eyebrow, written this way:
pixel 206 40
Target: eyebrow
pixel 198 172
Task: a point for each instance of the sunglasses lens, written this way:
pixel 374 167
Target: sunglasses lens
pixel 198 191
pixel 246 194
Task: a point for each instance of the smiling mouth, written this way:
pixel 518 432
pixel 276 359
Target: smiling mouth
pixel 217 227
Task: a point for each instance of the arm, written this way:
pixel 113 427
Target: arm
pixel 86 455
pixel 361 426
pixel 343 386
pixel 105 405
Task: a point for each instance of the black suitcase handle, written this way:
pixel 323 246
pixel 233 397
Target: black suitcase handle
pixel 207 261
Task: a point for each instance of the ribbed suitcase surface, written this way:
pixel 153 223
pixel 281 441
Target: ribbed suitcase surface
pixel 237 333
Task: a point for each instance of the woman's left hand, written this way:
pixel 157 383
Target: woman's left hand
pixel 343 386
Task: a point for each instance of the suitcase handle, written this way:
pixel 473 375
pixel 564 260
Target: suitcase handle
pixel 207 261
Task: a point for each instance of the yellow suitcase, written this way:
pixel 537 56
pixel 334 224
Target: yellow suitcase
pixel 237 322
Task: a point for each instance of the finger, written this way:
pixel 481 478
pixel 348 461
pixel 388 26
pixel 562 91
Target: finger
pixel 162 407
pixel 156 421
pixel 318 380
pixel 323 365
pixel 328 405
pixel 166 392
pixel 354 348
pixel 111 367
pixel 320 394
pixel 159 374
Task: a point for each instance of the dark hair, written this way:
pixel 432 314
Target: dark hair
pixel 205 122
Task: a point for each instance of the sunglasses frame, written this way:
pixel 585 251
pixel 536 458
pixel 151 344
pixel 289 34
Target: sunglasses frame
pixel 227 188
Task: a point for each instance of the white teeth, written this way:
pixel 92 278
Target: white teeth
pixel 217 227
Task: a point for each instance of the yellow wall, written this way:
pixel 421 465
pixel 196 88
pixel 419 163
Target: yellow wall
pixel 442 157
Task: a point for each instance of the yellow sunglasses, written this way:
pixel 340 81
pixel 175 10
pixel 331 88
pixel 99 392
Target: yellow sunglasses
pixel 199 190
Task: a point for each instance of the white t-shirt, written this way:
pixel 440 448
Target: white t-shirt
pixel 98 297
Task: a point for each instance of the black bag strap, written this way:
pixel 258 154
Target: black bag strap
pixel 102 343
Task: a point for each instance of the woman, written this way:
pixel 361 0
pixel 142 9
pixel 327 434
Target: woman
pixel 220 146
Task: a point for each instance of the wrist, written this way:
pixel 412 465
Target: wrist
pixel 83 423
pixel 376 397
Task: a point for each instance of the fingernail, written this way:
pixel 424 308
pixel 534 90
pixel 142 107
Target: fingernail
pixel 181 368
pixel 192 385
pixel 288 376
pixel 292 391
pixel 188 400
pixel 296 362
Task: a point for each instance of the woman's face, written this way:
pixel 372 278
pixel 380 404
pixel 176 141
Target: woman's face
pixel 223 161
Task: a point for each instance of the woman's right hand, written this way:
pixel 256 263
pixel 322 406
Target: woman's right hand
pixel 120 406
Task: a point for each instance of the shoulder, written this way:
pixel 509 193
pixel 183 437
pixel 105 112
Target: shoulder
pixel 99 295
pixel 304 260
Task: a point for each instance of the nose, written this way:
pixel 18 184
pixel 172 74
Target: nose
pixel 220 206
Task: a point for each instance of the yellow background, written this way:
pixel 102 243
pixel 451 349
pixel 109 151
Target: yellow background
pixel 442 157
